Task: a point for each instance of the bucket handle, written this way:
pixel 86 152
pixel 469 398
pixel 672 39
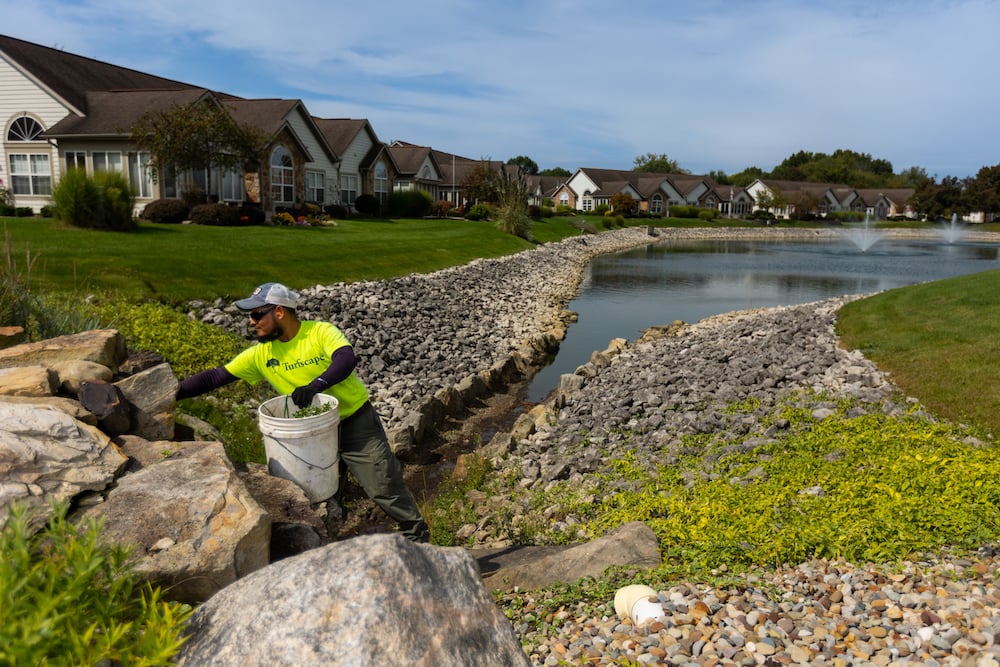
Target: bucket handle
pixel 308 463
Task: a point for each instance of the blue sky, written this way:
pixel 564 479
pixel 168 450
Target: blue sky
pixel 714 84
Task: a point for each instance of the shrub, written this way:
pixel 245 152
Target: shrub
pixel 707 214
pixel 367 205
pixel 480 212
pixel 409 204
pixel 220 215
pixel 24 211
pixel 514 220
pixel 607 222
pixel 67 599
pixel 75 199
pixel 7 209
pixel 170 211
pixel 46 212
pixel 683 211
pixel 442 208
pixel 116 201
pixel 250 214
pixel 104 201
pixel 335 210
pixel 283 218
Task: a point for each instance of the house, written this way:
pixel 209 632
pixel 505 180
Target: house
pixel 416 169
pixel 885 203
pixel 363 161
pixel 588 189
pixel 61 111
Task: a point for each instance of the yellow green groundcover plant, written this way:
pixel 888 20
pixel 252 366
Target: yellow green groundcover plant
pixel 866 488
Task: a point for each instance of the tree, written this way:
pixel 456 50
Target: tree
pixel 555 171
pixel 623 204
pixel 719 177
pixel 982 193
pixel 527 165
pixel 481 185
pixel 741 179
pixel 198 136
pixel 657 164
pixel 938 199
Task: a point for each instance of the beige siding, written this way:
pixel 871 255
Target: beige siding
pixel 320 161
pixel 20 95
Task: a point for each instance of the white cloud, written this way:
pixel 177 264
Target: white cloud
pixel 715 85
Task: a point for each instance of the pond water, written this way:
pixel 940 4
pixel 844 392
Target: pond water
pixel 623 294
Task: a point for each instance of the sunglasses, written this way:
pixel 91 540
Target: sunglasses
pixel 258 315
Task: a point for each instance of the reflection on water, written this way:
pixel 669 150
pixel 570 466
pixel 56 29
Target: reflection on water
pixel 625 293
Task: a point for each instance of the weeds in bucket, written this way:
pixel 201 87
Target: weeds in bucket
pixel 312 410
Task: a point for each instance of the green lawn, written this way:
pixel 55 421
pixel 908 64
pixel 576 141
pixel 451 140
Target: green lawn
pixel 181 262
pixel 939 341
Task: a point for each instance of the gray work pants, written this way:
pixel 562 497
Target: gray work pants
pixel 364 448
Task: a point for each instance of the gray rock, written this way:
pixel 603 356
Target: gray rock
pixel 372 600
pixel 47 455
pixel 631 544
pixel 152 395
pixel 193 502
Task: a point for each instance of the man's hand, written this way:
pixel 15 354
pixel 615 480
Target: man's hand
pixel 303 396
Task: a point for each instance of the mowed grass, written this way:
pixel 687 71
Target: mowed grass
pixel 939 341
pixel 176 263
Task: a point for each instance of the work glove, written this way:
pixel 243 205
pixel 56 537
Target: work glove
pixel 303 396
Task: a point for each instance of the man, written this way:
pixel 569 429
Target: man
pixel 304 358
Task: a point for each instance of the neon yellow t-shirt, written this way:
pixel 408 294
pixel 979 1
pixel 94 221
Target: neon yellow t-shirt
pixel 300 361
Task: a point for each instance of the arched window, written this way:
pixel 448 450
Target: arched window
pixel 381 182
pixel 24 129
pixel 30 172
pixel 656 204
pixel 564 199
pixel 282 176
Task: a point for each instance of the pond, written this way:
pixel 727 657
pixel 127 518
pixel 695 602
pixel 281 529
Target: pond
pixel 623 294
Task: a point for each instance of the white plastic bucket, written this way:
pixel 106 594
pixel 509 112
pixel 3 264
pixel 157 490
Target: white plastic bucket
pixel 304 450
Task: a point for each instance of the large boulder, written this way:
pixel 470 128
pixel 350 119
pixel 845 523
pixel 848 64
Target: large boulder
pixel 372 600
pixel 47 455
pixel 191 523
pixel 101 346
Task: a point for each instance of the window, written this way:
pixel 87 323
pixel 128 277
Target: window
pixel 232 186
pixel 24 129
pixel 316 186
pixel 381 182
pixel 564 199
pixel 75 160
pixel 139 174
pixel 282 176
pixel 656 204
pixel 106 161
pixel 30 174
pixel 348 188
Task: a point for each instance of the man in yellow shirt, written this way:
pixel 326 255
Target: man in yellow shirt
pixel 302 359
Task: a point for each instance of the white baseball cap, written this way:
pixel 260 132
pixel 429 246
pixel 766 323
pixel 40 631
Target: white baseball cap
pixel 269 294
